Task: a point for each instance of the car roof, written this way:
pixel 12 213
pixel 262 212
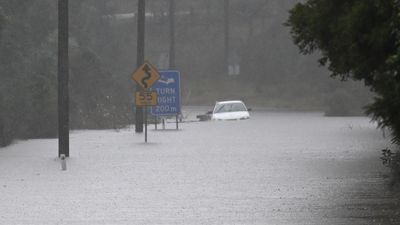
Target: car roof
pixel 228 102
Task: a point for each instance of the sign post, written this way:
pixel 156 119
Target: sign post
pixel 145 76
pixel 169 97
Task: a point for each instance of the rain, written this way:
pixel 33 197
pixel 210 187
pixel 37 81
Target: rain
pixel 194 112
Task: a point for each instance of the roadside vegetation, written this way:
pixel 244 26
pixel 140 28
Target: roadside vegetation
pixel 271 72
pixel 358 40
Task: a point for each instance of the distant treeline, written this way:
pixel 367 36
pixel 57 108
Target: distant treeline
pixel 266 68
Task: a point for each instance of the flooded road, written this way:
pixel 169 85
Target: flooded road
pixel 276 168
pixel 300 168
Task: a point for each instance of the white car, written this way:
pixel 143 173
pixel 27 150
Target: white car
pixel 230 110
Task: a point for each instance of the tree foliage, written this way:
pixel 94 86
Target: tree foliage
pixel 103 56
pixel 357 39
pixel 28 73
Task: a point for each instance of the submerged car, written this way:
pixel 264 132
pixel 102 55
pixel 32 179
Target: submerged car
pixel 230 110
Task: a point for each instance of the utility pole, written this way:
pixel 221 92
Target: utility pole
pixel 172 43
pixel 171 34
pixel 140 59
pixel 226 35
pixel 63 76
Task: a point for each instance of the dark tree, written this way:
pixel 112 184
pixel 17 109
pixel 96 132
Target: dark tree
pixel 358 39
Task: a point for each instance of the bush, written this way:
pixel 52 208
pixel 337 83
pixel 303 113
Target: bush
pixel 5 138
pixel 392 160
pixel 8 126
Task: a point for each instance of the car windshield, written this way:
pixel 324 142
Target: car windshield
pixel 230 107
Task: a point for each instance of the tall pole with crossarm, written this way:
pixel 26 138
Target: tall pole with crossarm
pixel 63 76
pixel 140 59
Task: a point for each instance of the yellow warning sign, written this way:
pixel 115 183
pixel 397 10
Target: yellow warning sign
pixel 146 98
pixel 146 75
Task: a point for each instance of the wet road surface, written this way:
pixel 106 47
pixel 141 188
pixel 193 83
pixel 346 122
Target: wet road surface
pixel 276 168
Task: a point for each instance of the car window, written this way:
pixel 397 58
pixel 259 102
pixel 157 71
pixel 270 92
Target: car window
pixel 229 107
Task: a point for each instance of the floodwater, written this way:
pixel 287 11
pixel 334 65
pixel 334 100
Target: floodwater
pixel 276 168
pixel 300 168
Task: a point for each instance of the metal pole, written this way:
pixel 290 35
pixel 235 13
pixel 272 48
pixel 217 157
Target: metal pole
pixel 177 126
pixel 172 34
pixel 226 35
pixel 63 76
pixel 145 124
pixel 172 40
pixel 140 59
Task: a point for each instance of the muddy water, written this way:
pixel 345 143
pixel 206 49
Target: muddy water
pixel 274 169
pixel 299 168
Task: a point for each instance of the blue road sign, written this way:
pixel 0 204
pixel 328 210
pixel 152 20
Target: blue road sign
pixel 168 88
